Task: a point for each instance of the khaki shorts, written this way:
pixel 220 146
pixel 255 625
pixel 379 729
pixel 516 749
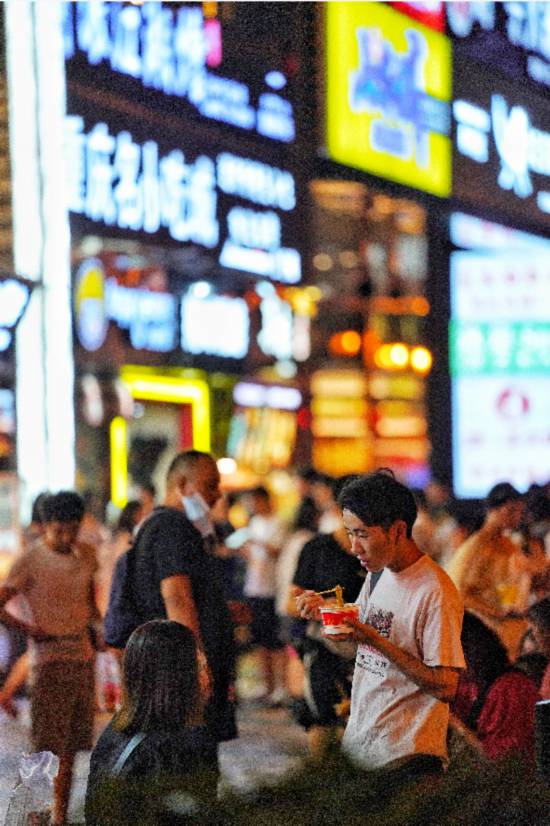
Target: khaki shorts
pixel 62 707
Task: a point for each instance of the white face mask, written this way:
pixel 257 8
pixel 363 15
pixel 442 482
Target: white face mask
pixel 198 512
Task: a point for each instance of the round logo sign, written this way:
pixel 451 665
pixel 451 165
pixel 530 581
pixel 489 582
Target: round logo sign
pixel 89 303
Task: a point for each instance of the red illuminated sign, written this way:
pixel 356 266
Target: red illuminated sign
pixel 431 13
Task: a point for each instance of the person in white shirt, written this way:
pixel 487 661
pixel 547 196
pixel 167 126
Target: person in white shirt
pixel 408 634
pixel 266 538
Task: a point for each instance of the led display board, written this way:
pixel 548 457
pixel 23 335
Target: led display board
pixel 499 357
pixel 173 58
pixel 513 37
pixel 502 146
pixel 388 89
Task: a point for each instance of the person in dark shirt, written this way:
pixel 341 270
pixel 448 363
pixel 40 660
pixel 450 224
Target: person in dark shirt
pixel 178 578
pixel 161 702
pixel 326 561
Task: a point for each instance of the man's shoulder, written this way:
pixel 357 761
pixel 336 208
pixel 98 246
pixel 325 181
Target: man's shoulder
pixel 166 526
pixel 435 581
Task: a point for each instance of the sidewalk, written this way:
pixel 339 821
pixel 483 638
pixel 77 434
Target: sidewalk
pixel 269 746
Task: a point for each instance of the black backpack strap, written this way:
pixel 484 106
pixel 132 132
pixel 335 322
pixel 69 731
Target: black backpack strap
pixel 130 747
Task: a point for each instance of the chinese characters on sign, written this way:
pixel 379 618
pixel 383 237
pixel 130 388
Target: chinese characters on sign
pixel 500 360
pixel 512 36
pixel 502 155
pixel 115 181
pixel 173 50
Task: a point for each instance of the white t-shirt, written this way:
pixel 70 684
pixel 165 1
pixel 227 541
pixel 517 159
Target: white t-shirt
pixel 260 571
pixel 287 562
pixel 391 718
pixel 57 590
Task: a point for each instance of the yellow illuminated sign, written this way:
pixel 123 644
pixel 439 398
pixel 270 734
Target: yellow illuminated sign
pixel 149 385
pixel 388 88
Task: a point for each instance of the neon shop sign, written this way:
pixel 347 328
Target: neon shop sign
pixel 526 26
pixel 149 317
pixel 171 51
pixel 117 182
pixel 390 84
pixel 521 148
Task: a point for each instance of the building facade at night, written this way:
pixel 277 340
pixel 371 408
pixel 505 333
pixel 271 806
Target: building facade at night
pixel 287 233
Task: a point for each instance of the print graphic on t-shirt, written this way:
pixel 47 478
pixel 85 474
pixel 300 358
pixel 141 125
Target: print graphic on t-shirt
pixel 368 657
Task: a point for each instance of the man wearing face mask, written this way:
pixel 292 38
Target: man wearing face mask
pixel 177 577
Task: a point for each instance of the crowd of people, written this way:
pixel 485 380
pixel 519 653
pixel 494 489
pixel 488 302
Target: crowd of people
pixel 450 648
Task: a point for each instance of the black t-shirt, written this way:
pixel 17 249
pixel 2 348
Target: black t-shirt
pixel 189 752
pixel 323 563
pixel 169 545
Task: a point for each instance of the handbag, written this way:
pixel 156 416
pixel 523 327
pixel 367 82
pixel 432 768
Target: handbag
pixel 130 747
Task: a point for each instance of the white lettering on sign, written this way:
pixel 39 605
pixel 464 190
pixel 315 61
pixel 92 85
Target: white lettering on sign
pixel 276 335
pixel 215 326
pixel 115 181
pixel 527 26
pixel 170 50
pixel 255 181
pixel 249 394
pixel 150 317
pixel 118 182
pixel 521 148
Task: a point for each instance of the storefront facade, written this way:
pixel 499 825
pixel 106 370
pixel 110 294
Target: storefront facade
pixel 384 168
pixel 178 236
pixel 497 249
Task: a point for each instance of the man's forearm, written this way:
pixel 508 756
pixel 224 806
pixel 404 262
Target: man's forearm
pixel 179 603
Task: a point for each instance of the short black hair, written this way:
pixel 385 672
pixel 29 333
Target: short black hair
pixel 378 499
pixel 185 461
pixel 500 494
pixel 65 506
pixel 148 487
pixel 260 492
pixel 539 614
pixel 127 518
pixel 37 514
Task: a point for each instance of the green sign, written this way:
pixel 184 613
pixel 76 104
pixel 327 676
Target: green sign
pixel 505 347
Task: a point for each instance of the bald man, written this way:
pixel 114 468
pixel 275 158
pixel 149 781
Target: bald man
pixel 178 579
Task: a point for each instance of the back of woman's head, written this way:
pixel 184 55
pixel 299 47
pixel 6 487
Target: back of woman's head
pixel 484 653
pixel 160 684
pixel 129 516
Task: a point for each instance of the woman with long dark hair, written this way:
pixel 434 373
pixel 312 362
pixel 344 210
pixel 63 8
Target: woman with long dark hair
pixel 494 699
pixel 157 734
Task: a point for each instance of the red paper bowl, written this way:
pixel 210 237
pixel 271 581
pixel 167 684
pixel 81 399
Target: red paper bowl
pixel 334 618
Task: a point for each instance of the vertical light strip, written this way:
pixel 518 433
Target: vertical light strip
pixel 56 269
pixel 118 433
pixel 27 243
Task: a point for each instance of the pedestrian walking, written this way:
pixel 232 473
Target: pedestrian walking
pixel 56 575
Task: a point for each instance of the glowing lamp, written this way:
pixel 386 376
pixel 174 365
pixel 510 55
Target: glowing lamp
pixel 421 360
pixel 347 343
pixel 392 356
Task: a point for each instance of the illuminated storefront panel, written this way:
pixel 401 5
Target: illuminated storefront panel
pixel 500 357
pixel 388 82
pixel 173 55
pixel 502 146
pixel 511 37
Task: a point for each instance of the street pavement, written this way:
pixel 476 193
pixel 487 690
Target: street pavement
pixel 269 746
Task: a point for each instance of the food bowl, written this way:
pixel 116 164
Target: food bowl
pixel 334 618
